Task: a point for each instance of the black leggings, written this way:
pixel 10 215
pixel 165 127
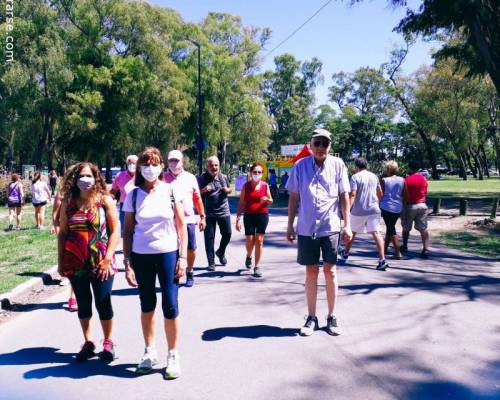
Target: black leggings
pixel 102 293
pixel 146 267
pixel 390 220
pixel 209 233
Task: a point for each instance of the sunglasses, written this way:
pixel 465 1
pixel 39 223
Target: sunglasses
pixel 257 173
pixel 321 143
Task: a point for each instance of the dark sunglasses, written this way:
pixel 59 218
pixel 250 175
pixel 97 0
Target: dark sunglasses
pixel 321 143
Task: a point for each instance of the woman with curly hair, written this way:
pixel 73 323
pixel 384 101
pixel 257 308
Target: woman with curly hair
pixel 155 244
pixel 87 238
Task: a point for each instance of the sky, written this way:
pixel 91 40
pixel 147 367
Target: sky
pixel 342 36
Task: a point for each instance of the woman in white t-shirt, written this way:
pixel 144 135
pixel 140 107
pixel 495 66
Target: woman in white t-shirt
pixel 40 195
pixel 155 244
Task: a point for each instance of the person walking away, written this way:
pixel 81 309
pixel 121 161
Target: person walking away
pixel 415 208
pixel 40 195
pixel 191 197
pixel 255 199
pixel 124 183
pixel 88 235
pixel 53 182
pixel 318 185
pixel 273 182
pixel 391 205
pixel 214 188
pixel 365 210
pixel 155 245
pixel 15 200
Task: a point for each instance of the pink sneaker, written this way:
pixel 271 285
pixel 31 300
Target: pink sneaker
pixel 72 304
pixel 108 351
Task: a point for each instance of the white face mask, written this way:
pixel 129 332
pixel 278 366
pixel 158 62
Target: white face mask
pixel 85 183
pixel 131 168
pixel 257 177
pixel 151 172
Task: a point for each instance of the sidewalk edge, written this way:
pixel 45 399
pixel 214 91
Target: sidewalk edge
pixel 43 278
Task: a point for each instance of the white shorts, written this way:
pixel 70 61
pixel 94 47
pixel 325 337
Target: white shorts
pixel 365 223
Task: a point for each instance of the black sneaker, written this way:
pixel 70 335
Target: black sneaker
pixel 257 272
pixel 403 249
pixel 310 326
pixel 424 254
pixel 332 328
pixel 87 351
pixel 189 279
pixel 222 257
pixel 382 265
pixel 211 267
pixel 248 262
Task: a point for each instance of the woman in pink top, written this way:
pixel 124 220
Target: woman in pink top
pixel 123 183
pixel 254 201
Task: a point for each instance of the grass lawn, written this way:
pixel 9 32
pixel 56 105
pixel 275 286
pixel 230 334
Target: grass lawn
pixel 25 252
pixel 459 188
pixel 485 242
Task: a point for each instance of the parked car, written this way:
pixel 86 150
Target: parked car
pixel 425 173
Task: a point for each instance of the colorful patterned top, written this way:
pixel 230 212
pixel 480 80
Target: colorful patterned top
pixel 87 240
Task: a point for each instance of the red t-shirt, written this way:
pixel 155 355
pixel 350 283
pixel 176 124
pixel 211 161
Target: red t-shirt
pixel 416 188
pixel 253 205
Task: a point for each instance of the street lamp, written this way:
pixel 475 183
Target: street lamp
pixel 199 139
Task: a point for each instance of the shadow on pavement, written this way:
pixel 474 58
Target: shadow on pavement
pixel 68 369
pixel 18 307
pixel 248 332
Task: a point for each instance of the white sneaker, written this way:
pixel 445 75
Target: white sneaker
pixel 148 361
pixel 173 369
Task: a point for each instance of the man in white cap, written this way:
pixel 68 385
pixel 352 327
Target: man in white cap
pixel 124 183
pixel 191 197
pixel 318 185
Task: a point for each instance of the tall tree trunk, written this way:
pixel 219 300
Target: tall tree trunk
pixel 463 169
pixel 478 164
pixel 471 166
pixel 483 41
pixel 109 162
pixel 485 161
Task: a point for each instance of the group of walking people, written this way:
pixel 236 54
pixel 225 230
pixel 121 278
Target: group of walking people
pixel 41 195
pixel 157 221
pixel 156 218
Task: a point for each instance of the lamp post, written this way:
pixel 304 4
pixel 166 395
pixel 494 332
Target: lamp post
pixel 199 139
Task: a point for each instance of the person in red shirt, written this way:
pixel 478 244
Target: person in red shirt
pixel 415 208
pixel 254 201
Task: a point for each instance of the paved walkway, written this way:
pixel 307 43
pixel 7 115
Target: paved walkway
pixel 421 330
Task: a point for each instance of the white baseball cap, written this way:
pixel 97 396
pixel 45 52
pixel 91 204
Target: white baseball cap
pixel 175 155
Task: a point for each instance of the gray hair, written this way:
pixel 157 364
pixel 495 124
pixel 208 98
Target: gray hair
pixel 212 158
pixel 132 157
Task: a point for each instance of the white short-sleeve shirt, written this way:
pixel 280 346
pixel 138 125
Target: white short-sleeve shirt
pixel 155 230
pixel 319 189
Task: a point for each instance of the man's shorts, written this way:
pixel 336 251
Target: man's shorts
pixel 255 223
pixel 309 249
pixel 417 213
pixel 365 223
pixel 191 228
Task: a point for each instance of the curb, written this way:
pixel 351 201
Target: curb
pixel 43 278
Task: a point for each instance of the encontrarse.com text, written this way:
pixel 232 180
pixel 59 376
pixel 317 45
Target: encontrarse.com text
pixel 9 26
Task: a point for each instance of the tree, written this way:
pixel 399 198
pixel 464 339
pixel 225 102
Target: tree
pixel 289 97
pixel 476 20
pixel 365 98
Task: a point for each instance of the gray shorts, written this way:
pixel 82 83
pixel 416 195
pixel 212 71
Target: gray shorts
pixel 414 213
pixel 310 249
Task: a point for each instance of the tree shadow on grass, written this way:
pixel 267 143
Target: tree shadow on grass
pixel 248 332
